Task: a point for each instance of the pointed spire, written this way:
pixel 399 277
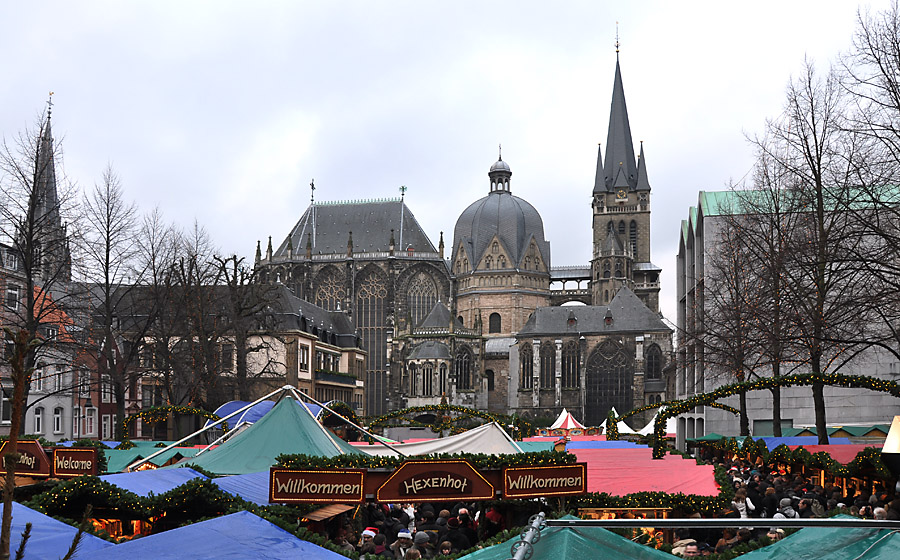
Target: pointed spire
pixel 269 250
pixel 643 183
pixel 441 245
pixel 309 246
pixel 619 146
pixel 258 252
pixel 600 177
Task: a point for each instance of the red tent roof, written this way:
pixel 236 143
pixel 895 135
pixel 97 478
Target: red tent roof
pixel 625 471
pixel 843 454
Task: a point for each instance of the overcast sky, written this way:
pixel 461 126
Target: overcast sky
pixel 224 111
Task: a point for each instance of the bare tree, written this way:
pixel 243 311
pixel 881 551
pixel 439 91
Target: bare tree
pixel 113 275
pixel 35 321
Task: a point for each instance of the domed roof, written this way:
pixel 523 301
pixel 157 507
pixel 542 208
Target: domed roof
pixel 500 165
pixel 511 219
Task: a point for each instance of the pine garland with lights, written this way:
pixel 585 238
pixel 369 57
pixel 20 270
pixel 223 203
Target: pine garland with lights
pixel 677 408
pixel 478 461
pixel 868 458
pixel 161 413
pixel 653 406
pixel 68 499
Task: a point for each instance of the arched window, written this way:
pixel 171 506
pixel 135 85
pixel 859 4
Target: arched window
pixel 494 323
pixel 464 369
pixel 548 365
pixel 330 289
pixel 632 234
pixel 427 380
pixel 442 379
pixel 605 296
pixel 57 420
pixel 527 367
pixel 606 269
pixel 654 362
pixel 495 248
pixel 39 420
pixel 609 381
pixel 488 261
pixel 490 379
pixel 413 380
pixel 501 262
pixel 460 319
pixel 619 273
pixel 421 295
pixel 371 319
pixel 570 365
pixel 622 228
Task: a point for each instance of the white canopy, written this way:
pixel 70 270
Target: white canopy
pixel 623 427
pixel 488 438
pixel 671 425
pixel 566 421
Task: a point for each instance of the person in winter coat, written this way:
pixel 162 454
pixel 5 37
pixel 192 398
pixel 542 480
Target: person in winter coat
pixel 785 510
pixel 744 506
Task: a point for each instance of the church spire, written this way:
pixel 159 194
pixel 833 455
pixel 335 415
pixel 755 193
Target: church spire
pixel 643 183
pixel 620 165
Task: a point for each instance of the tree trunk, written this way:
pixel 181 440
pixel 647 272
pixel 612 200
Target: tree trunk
pixel 818 390
pixel 21 346
pixel 776 411
pixel 745 419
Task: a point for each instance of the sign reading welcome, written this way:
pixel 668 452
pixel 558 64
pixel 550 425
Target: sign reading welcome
pixel 69 462
pixel 435 481
pixel 299 486
pixel 32 459
pixel 532 482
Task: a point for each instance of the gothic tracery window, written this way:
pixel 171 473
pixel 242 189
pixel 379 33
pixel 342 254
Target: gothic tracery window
pixel 330 291
pixel 464 369
pixel 371 317
pixel 548 365
pixel 654 362
pixel 421 296
pixel 570 365
pixel 526 369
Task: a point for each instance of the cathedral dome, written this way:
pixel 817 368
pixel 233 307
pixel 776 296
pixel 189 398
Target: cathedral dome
pixel 509 219
pixel 500 165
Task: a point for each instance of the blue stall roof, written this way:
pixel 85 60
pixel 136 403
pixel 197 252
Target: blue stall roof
pixel 253 487
pixel 239 536
pixel 254 413
pixel 49 538
pixel 155 481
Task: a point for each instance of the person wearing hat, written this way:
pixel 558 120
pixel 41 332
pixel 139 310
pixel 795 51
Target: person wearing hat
pixel 422 543
pixel 785 509
pixel 403 543
pixel 457 538
pixel 367 545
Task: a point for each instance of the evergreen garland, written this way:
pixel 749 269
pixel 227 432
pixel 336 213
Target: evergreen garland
pixel 479 461
pixel 161 413
pixel 676 408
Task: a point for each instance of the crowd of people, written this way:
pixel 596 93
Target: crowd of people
pixel 762 493
pixel 412 531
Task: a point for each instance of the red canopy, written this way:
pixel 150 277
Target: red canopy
pixel 843 454
pixel 625 471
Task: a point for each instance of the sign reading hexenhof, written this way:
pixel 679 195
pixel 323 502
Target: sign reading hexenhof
pixel 435 481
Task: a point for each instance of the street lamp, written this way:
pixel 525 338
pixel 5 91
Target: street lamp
pixel 890 453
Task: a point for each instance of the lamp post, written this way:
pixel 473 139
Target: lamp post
pixel 890 453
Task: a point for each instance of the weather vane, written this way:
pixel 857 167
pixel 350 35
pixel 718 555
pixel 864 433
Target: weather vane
pixel 402 191
pixel 617 37
pixel 500 151
pixel 49 104
pixel 312 191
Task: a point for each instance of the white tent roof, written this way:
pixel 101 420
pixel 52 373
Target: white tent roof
pixel 488 438
pixel 623 427
pixel 671 425
pixel 566 421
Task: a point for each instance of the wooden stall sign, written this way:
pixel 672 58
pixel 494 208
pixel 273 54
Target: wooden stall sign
pixel 532 482
pixel 69 462
pixel 32 459
pixel 435 481
pixel 327 485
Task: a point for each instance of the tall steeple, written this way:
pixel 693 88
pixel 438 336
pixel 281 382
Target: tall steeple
pixel 620 168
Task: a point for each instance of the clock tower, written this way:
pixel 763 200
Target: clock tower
pixel 621 214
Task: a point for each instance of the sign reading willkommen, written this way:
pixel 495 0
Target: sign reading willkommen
pixel 299 486
pixel 435 481
pixel 32 459
pixel 69 462
pixel 532 482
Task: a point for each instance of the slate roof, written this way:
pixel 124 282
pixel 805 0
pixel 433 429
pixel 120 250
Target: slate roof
pixel 629 313
pixel 438 318
pixel 620 169
pixel 370 221
pixel 512 219
pixel 430 350
pixel 290 312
